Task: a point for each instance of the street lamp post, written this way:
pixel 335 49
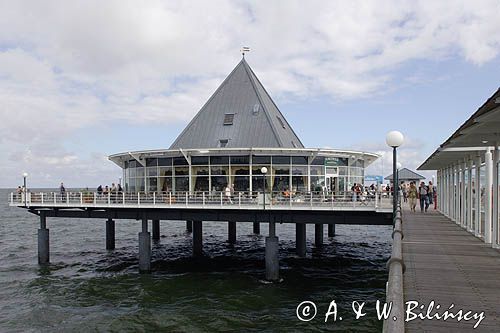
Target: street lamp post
pixel 394 139
pixel 25 175
pixel 263 170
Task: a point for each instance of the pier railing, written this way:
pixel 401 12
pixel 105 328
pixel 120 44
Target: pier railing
pixel 394 290
pixel 214 199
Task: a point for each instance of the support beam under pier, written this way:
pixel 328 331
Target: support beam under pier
pixel 43 241
pixel 318 235
pixel 110 234
pixel 156 230
pixel 300 239
pixel 144 248
pixel 197 238
pixel 189 226
pixel 331 230
pixel 256 228
pixel 231 232
pixel 272 261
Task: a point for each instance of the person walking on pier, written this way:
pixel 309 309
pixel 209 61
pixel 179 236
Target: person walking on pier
pixel 423 193
pixel 412 196
pixel 430 192
pixel 227 193
pixel 62 191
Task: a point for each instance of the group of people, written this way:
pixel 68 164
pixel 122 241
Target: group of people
pixel 114 189
pixel 425 194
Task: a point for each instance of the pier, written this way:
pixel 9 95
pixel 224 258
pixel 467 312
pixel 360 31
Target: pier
pixel 152 209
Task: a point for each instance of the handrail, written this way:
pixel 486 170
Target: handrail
pixel 395 282
pixel 237 199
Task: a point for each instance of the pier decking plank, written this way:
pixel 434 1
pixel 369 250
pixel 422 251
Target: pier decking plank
pixel 447 264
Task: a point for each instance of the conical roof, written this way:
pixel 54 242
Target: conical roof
pixel 240 114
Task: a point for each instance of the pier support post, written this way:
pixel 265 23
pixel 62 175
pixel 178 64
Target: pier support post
pixel 300 239
pixel 331 229
pixel 272 261
pixel 189 226
pixel 318 234
pixel 197 238
pixel 144 248
pixel 43 241
pixel 231 232
pixel 256 228
pixel 156 230
pixel 110 234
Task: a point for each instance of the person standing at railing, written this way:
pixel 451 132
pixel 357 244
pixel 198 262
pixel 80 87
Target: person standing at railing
pixel 62 192
pixel 113 192
pixel 99 191
pixel 227 193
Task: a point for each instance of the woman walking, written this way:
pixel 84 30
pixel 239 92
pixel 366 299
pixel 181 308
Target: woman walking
pixel 412 196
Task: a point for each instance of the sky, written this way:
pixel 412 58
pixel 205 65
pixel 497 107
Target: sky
pixel 81 80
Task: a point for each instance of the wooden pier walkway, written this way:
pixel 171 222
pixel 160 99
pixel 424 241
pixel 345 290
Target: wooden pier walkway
pixel 447 264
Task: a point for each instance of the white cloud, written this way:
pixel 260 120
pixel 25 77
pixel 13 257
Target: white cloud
pixel 65 66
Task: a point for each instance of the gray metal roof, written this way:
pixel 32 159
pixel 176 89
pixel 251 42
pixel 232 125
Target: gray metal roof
pixel 257 121
pixel 406 174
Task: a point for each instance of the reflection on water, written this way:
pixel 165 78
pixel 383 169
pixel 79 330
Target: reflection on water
pixel 87 288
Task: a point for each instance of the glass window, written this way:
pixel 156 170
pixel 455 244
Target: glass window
pixel 240 170
pixel 299 183
pixel 299 170
pixel 165 171
pixel 180 161
pixel 317 183
pixel 261 159
pixel 245 159
pixel 132 163
pixel 165 184
pixel 126 164
pixel 152 171
pixel 281 170
pixel 317 170
pixel 201 183
pixel 241 184
pixel 299 160
pixel 219 183
pixel 181 171
pixel 151 162
pixel 318 160
pixel 199 170
pixel 281 160
pixel 139 172
pixel 281 183
pixel 214 160
pixel 152 184
pixel 220 170
pixel 199 160
pixel 258 183
pixel 181 184
pixel 166 161
pixel 131 172
pixel 139 184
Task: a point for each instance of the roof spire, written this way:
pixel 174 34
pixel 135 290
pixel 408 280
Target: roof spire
pixel 243 50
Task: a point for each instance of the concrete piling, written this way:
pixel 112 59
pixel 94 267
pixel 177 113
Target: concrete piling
pixel 197 238
pixel 272 260
pixel 331 230
pixel 110 234
pixel 189 226
pixel 231 232
pixel 318 234
pixel 156 230
pixel 256 228
pixel 144 248
pixel 300 239
pixel 43 241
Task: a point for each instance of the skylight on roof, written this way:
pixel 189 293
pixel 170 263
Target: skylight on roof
pixel 223 143
pixel 228 118
pixel 281 122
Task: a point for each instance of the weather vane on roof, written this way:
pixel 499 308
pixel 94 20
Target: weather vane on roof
pixel 244 50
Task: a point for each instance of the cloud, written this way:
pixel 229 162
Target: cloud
pixel 67 66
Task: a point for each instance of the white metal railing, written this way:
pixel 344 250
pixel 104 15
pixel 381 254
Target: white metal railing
pixel 271 200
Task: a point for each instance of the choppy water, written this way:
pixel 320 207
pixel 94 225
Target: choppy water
pixel 89 289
